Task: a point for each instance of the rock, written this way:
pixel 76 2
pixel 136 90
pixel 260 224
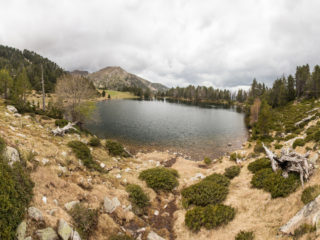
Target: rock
pixel 45 161
pixel 12 109
pixel 111 205
pixel 55 201
pixel 71 205
pixel 17 115
pixel 35 214
pixel 64 230
pixel 153 236
pixel 47 234
pixel 127 170
pixel 308 214
pixel 12 128
pixel 21 135
pixel 12 155
pixel 118 176
pixel 75 236
pixel 44 199
pixel 63 169
pixel 21 231
pixel 313 158
pixel 102 165
pixel 28 238
pixel 64 154
pixel 156 212
pixel 197 177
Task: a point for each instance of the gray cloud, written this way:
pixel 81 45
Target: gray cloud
pixel 175 42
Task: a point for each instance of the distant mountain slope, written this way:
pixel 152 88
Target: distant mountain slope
pixel 116 78
pixel 14 60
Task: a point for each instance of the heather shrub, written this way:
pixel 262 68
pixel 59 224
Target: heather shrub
pixel 232 172
pixel 207 161
pixel 243 235
pixel 298 142
pixel 61 122
pixel 259 164
pixel 137 197
pixel 211 216
pixel 94 142
pixel 258 148
pixel 160 178
pixel 116 149
pixel 310 193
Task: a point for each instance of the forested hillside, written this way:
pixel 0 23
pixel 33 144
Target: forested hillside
pixel 15 61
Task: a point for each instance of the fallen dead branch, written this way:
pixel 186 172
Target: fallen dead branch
pixel 291 161
pixel 62 131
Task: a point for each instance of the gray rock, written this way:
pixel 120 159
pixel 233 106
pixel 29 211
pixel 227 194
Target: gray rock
pixel 47 234
pixel 64 230
pixel 35 214
pixel 12 155
pixel 313 158
pixel 21 231
pixel 71 205
pixel 75 236
pixel 153 236
pixel 28 238
pixel 111 205
pixel 12 109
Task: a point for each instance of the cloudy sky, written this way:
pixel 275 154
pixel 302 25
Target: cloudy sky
pixel 220 43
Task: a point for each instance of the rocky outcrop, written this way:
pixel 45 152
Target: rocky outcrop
pixel 111 205
pixel 21 231
pixel 69 205
pixel 64 230
pixel 35 214
pixel 309 214
pixel 153 236
pixel 12 155
pixel 47 234
pixel 12 109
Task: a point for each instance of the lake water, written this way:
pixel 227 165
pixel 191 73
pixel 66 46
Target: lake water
pixel 192 130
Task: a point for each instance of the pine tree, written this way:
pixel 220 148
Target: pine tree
pixel 6 82
pixel 22 85
pixel 291 91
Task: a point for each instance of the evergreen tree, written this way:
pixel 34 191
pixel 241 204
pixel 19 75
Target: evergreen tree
pixel 291 90
pixel 264 119
pixel 6 82
pixel 302 77
pixel 22 85
pixel 103 93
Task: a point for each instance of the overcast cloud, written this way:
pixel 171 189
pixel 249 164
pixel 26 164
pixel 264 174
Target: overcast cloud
pixel 174 42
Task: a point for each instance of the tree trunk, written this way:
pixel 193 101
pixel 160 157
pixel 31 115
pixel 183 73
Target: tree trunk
pixel 43 91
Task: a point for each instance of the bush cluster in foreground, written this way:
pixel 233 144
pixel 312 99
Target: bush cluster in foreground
pixel 82 152
pixel 243 235
pixel 94 142
pixel 310 193
pixel 232 172
pixel 259 164
pixel 298 143
pixel 210 217
pixel 160 178
pixel 15 195
pixel 137 197
pixel 85 220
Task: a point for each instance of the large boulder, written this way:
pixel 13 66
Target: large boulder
pixel 35 214
pixel 111 205
pixel 12 155
pixel 64 230
pixel 309 214
pixel 153 236
pixel 47 234
pixel 21 231
pixel 75 236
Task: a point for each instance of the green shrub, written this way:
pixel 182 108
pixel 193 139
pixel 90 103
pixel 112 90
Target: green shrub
pixel 211 216
pixel 94 142
pixel 15 196
pixel 259 164
pixel 2 145
pixel 298 142
pixel 232 172
pixel 61 122
pixel 290 136
pixel 258 148
pixel 274 183
pixel 85 220
pixel 116 149
pixel 82 152
pixel 310 193
pixel 120 237
pixel 204 193
pixel 137 197
pixel 302 230
pixel 160 178
pixel 278 146
pixel 207 161
pixel 218 179
pixel 243 235
pixel 233 156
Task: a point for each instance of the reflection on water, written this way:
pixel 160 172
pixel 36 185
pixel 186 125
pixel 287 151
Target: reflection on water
pixel 198 131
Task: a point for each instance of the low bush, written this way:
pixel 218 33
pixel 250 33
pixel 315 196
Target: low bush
pixel 233 156
pixel 137 197
pixel 2 145
pixel 290 136
pixel 94 142
pixel 278 146
pixel 275 183
pixel 298 142
pixel 259 164
pixel 116 149
pixel 211 216
pixel 61 122
pixel 160 178
pixel 82 152
pixel 120 237
pixel 218 179
pixel 243 235
pixel 15 195
pixel 310 193
pixel 232 172
pixel 302 230
pixel 85 220
pixel 207 160
pixel 204 193
pixel 258 148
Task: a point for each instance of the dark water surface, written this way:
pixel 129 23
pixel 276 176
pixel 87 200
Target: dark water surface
pixel 193 130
